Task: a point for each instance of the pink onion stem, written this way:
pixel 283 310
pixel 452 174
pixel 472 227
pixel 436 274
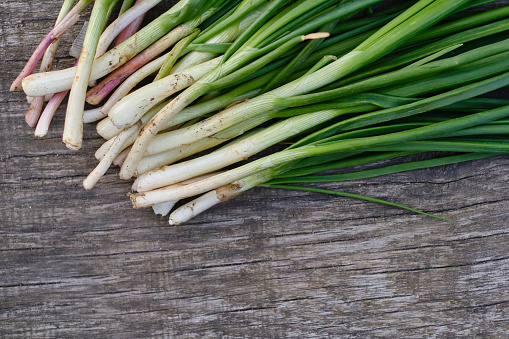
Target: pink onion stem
pixel 34 59
pixel 46 64
pixel 56 32
pixel 34 111
pixel 130 30
pixel 49 111
pixel 100 91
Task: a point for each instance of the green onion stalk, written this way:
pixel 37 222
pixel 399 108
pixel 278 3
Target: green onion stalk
pixel 122 91
pixel 151 162
pixel 492 146
pixel 199 110
pixel 204 202
pixel 242 150
pixel 109 157
pixel 156 92
pixel 172 57
pixel 73 127
pixel 124 20
pixel 165 207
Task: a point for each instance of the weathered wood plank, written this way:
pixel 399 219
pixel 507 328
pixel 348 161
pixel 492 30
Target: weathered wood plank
pixel 267 264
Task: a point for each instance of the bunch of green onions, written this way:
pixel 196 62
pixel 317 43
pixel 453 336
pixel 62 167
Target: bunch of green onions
pixel 340 82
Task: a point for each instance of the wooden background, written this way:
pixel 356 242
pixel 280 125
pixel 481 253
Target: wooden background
pixel 267 264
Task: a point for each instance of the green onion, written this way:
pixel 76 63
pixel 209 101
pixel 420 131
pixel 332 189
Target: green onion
pixel 315 85
pixel 73 127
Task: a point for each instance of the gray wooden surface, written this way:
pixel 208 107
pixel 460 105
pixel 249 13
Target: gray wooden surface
pixel 267 264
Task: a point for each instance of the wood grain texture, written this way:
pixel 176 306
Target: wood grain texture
pixel 267 264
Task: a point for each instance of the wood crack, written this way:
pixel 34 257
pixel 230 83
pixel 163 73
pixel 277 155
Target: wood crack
pixel 206 267
pixel 31 284
pixel 501 302
pixel 480 262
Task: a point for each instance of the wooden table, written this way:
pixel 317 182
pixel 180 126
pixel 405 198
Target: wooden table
pixel 270 263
